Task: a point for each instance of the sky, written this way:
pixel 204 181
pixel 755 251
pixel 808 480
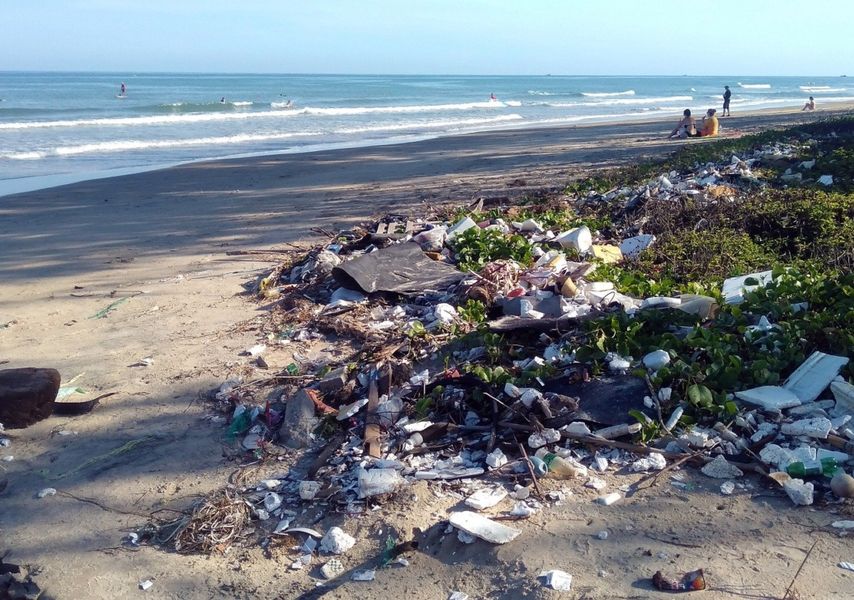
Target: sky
pixel 489 37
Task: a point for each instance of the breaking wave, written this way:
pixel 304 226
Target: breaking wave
pixel 607 94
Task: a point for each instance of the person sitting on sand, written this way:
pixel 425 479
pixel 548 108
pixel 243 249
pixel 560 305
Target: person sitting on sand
pixel 685 128
pixel 709 126
pixel 810 105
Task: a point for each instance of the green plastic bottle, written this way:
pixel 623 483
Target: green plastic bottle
pixel 826 467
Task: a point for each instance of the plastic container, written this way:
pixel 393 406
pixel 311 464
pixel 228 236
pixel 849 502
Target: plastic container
pixel 826 467
pixel 560 468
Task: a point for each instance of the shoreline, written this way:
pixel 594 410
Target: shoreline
pixel 11 187
pixel 153 254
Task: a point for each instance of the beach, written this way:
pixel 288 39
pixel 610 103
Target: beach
pixel 168 253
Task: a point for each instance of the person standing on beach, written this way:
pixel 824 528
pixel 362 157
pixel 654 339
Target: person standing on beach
pixel 727 95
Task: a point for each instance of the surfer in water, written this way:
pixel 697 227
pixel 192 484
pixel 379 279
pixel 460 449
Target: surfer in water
pixel 123 89
pixel 492 97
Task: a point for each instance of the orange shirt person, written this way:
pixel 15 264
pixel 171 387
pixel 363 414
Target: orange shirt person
pixel 709 126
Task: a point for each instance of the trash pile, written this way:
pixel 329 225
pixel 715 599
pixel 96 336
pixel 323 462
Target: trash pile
pixel 464 369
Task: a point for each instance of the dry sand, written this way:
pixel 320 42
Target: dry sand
pixel 160 239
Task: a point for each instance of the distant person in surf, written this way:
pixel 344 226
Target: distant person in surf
pixel 222 100
pixel 727 95
pixel 492 98
pixel 810 105
pixel 709 127
pixel 685 128
pixel 123 89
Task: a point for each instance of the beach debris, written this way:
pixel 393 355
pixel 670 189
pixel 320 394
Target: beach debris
pixel 556 579
pixel 299 421
pixel 486 498
pixel 814 375
pixel 332 568
pixel 400 268
pixel 799 492
pixel 609 499
pixel 689 582
pixel 45 492
pixel 720 468
pixel 846 565
pixel 456 595
pixel 364 575
pixel 104 312
pixel 483 528
pixel 843 524
pixel 27 395
pixel 336 541
pixel 146 584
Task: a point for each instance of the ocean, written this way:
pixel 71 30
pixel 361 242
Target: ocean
pixel 61 127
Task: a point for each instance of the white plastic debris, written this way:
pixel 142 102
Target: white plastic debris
pixel 769 397
pixel 486 529
pixel 336 541
pixel 577 428
pixel 579 239
pixel 486 498
pixel 826 180
pixel 308 489
pixel 557 580
pixel 727 488
pixel 609 499
pixel 445 313
pixel 734 288
pixel 145 585
pixel 799 492
pixel 374 482
pixel 366 575
pixel 818 427
pixel 522 509
pixel 596 484
pixel 720 468
pixel 656 359
pixel 459 227
pixel 633 246
pixel 652 462
pixel 846 565
pixel 617 363
pixel 843 524
pixel 348 410
pixel 843 392
pixel 813 376
pixel 538 439
pixel 44 493
pixel 458 596
pixel 496 459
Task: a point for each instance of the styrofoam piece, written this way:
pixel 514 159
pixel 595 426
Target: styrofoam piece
pixel 826 180
pixel 486 498
pixel 818 427
pixel 579 239
pixel 336 541
pixel 848 524
pixel 814 375
pixel 799 492
pixel 661 302
pixel 633 246
pixel 557 580
pixel 538 439
pixel 653 462
pixel 844 394
pixel 609 499
pixel 769 397
pixel 483 528
pixel 496 459
pixel 734 288
pixel 365 575
pixel 720 468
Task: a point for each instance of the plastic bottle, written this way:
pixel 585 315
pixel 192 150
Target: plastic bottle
pixel 826 467
pixel 560 468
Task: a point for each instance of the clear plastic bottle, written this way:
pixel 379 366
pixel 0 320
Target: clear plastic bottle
pixel 560 468
pixel 826 467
